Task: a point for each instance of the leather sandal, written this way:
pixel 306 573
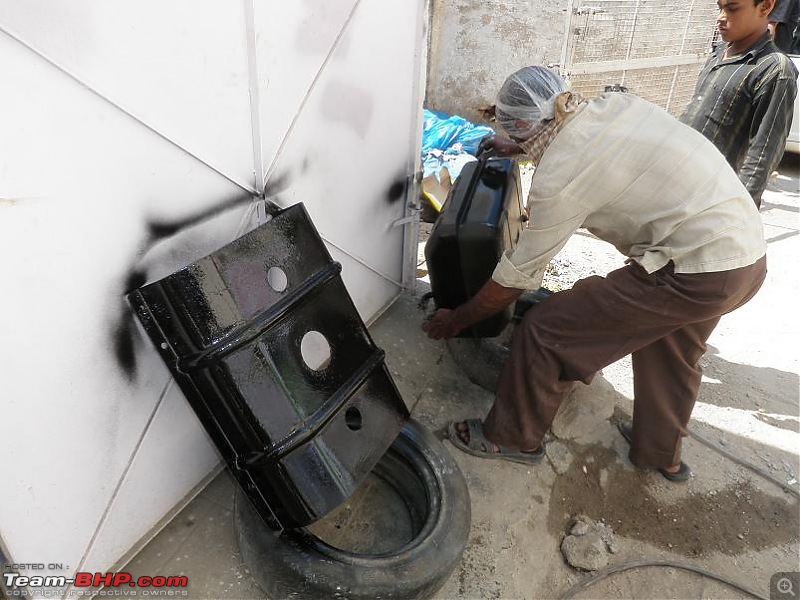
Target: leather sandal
pixel 682 474
pixel 480 446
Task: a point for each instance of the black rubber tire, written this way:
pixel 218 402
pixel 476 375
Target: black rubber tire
pixel 297 564
pixel 482 359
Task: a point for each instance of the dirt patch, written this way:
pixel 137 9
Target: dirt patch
pixel 730 520
pixel 478 578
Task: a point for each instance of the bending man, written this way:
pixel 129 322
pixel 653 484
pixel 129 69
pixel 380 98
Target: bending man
pixel 664 196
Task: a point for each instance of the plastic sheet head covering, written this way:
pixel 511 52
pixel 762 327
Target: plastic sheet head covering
pixel 526 99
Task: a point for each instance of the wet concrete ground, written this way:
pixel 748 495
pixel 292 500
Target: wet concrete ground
pixel 727 519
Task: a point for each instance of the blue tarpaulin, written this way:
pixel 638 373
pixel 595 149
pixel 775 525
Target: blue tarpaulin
pixel 449 141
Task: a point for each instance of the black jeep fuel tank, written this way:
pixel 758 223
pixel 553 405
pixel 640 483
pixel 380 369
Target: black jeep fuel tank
pixel 264 340
pixel 480 220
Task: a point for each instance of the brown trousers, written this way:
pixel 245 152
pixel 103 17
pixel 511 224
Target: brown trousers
pixel 663 319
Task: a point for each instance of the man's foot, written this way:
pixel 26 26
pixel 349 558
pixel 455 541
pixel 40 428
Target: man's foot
pixel 678 473
pixel 468 436
pixel 463 432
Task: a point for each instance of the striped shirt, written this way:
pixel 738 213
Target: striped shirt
pixel 635 177
pixel 743 104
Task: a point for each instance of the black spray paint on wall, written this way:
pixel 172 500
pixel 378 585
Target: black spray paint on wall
pixel 123 331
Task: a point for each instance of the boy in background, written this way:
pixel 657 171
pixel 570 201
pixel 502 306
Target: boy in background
pixel 745 94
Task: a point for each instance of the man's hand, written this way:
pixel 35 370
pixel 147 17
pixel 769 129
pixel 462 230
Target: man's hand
pixel 490 299
pixel 499 146
pixel 442 325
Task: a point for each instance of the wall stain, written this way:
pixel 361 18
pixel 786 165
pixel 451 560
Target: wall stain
pixel 319 28
pixel 349 104
pixel 397 190
pixel 136 279
pixel 124 347
pixel 158 230
pixel 123 330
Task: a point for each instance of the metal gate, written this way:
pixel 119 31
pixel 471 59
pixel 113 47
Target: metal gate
pixel 654 48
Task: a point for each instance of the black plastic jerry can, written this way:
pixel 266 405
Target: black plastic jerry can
pixel 266 344
pixel 480 220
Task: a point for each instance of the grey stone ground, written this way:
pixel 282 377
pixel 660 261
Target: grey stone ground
pixel 726 519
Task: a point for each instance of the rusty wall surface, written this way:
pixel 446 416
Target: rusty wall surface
pixel 475 44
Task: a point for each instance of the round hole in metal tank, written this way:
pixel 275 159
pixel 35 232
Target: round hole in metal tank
pixel 352 418
pixel 315 350
pixel 276 279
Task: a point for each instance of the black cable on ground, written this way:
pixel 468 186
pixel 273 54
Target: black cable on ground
pixel 600 575
pixel 740 461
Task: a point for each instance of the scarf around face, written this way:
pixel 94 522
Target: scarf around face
pixel 566 103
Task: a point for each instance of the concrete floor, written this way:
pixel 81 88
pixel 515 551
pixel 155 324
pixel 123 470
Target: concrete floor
pixel 726 519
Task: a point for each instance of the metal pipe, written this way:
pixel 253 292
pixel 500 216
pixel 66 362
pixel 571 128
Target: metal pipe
pixel 255 99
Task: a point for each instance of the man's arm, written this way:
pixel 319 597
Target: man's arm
pixel 490 299
pixel 772 117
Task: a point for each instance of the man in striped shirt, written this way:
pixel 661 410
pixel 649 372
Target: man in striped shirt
pixel 745 94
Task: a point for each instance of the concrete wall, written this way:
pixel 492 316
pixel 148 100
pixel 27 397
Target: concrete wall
pixel 476 44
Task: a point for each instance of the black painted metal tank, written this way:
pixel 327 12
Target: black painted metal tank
pixel 480 220
pixel 266 344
